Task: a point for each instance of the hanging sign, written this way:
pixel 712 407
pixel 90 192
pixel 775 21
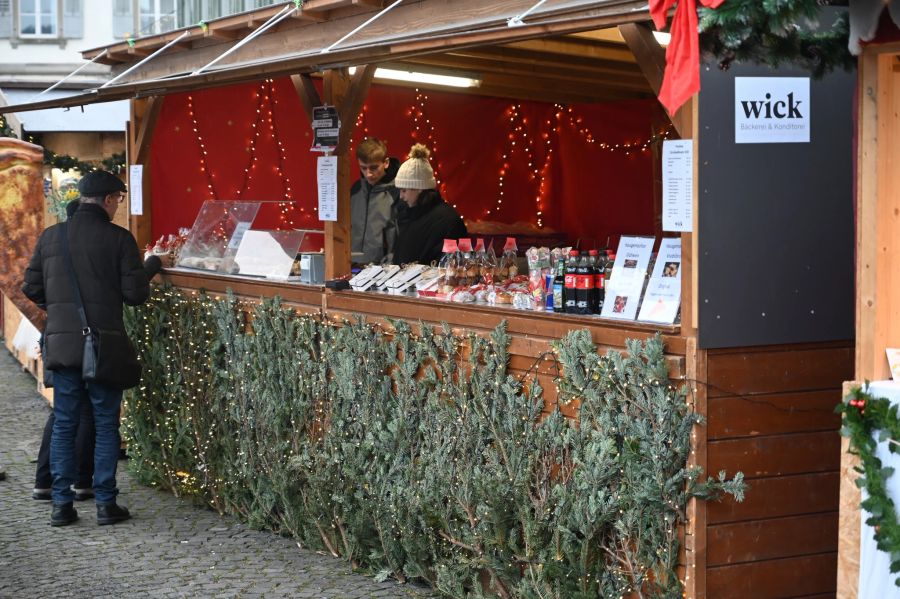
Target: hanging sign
pixel 663 296
pixel 326 175
pixel 771 110
pixel 678 185
pixel 326 127
pixel 136 188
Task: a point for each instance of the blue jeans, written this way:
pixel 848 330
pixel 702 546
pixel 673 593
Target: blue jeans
pixel 68 393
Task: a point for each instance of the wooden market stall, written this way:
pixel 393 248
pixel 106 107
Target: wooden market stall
pixel 768 397
pixel 877 248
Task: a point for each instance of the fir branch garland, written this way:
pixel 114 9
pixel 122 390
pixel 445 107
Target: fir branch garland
pixel 415 453
pixel 775 32
pixel 114 164
pixel 864 418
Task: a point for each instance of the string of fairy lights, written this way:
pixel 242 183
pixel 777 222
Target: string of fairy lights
pixel 265 118
pixel 423 132
pixel 534 141
pixel 519 136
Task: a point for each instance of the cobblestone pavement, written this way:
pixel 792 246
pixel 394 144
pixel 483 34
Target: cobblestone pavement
pixel 170 548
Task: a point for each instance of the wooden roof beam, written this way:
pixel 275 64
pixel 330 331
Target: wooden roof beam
pixel 307 92
pixel 222 34
pixel 504 56
pixel 326 5
pixel 353 102
pixel 576 47
pixel 139 52
pixel 650 56
pixel 146 128
pixel 116 57
pixel 314 16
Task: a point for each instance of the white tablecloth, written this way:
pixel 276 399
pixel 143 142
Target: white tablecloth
pixel 875 578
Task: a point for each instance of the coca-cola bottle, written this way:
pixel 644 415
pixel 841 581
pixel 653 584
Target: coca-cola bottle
pixel 584 285
pixel 598 264
pixel 607 272
pixel 569 299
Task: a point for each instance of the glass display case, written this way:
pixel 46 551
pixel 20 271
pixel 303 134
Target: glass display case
pixel 224 241
pixel 216 235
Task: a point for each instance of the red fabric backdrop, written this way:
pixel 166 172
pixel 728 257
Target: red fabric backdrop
pixel 589 191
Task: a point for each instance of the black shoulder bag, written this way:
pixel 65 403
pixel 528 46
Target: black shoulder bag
pixel 109 357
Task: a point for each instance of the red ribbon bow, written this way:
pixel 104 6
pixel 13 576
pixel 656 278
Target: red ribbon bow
pixel 682 77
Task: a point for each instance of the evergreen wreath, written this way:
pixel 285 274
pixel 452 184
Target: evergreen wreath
pixel 774 32
pixel 863 416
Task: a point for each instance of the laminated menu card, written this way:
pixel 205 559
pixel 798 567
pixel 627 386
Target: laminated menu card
pixel 623 290
pixel 663 296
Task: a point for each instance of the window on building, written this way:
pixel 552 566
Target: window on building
pixel 38 21
pixel 136 18
pixel 37 18
pixel 156 16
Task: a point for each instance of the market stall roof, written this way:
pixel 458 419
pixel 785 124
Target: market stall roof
pixel 323 34
pixel 110 117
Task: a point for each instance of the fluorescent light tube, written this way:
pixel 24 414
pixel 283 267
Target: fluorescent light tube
pixel 419 77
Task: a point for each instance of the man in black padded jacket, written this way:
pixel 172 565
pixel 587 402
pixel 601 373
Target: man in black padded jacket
pixel 107 265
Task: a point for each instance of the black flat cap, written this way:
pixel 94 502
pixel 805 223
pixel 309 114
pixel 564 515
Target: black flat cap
pixel 99 184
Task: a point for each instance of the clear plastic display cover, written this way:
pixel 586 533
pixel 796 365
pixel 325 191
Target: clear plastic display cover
pixel 217 234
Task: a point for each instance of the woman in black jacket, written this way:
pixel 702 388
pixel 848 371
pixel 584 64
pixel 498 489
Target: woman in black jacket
pixel 424 219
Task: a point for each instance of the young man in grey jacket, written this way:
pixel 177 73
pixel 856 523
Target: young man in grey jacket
pixel 373 200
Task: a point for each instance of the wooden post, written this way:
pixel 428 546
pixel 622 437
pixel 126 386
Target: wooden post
pixel 689 249
pixel 347 96
pixel 144 112
pixel 878 218
pixel 337 233
pixel 695 532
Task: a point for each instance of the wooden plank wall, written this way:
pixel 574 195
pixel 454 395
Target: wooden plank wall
pixel 531 333
pixel 771 416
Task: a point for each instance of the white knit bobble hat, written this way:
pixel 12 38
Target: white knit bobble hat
pixel 416 172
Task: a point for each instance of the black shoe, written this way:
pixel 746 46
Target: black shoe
pixel 111 514
pixel 83 494
pixel 42 494
pixel 63 514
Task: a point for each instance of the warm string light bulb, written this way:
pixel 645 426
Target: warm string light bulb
pixel 519 138
pixel 254 138
pixel 577 123
pixel 281 169
pixel 201 146
pixel 423 132
pixel 360 123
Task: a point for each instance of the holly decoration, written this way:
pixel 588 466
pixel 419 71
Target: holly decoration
pixel 868 420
